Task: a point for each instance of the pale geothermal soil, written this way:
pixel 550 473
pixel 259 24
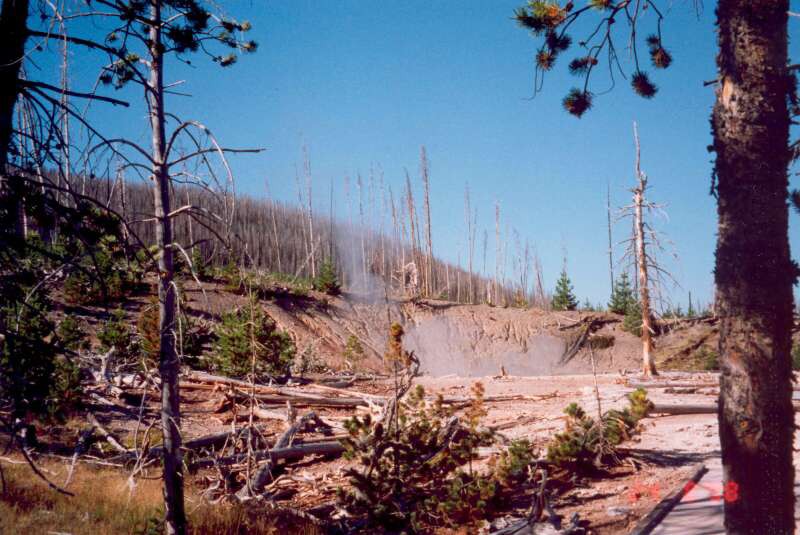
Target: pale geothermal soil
pixel 667 448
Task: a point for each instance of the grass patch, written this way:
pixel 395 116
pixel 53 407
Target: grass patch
pixel 103 504
pixel 601 341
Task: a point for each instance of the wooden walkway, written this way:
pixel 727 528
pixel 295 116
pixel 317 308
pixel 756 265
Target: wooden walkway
pixel 701 510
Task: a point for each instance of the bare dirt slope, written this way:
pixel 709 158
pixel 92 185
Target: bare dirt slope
pixel 467 340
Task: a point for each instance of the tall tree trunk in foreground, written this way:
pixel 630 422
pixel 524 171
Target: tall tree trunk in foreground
pixel 169 365
pixel 754 273
pixel 13 34
pixel 648 364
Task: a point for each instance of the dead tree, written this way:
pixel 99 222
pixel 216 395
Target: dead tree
pixel 163 28
pixel 472 222
pixel 648 365
pixel 610 242
pixel 426 182
pixel 498 253
pixel 641 252
pixel 309 207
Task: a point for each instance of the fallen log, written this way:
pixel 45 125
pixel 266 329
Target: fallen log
pixel 349 393
pixel 514 423
pixel 256 485
pixel 206 441
pixel 682 384
pixel 274 394
pixel 673 384
pixel 461 402
pixel 203 377
pixel 103 432
pixel 694 409
pixel 298 451
pixel 266 414
pixel 300 400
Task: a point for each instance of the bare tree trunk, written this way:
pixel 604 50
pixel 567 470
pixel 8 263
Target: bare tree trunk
pixel 310 209
pixel 350 245
pixel 540 295
pixel 470 239
pixel 496 298
pixel 447 281
pixel 273 209
pixel 13 19
pixel 754 272
pixel 361 230
pixel 169 365
pixel 412 221
pixel 397 236
pixel 610 243
pixel 648 364
pixel 426 181
pixel 458 277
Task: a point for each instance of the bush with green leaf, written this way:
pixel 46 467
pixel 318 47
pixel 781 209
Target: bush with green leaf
pixel 588 444
pixel 632 322
pixel 34 378
pixel 415 470
pixel 117 334
pixel 103 273
pixel 71 333
pixel 708 358
pixel 796 357
pixel 248 335
pixel 27 361
pixel 353 351
pixel 308 362
pixel 326 280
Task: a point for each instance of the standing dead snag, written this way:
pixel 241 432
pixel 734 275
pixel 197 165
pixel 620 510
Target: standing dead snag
pixel 640 251
pixel 169 27
pixel 648 365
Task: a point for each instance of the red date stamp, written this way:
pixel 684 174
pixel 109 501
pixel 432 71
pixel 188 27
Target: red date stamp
pixel 730 491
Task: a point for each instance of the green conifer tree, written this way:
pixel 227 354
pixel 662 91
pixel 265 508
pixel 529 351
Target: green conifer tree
pixel 244 334
pixel 622 298
pixel 326 280
pixel 563 297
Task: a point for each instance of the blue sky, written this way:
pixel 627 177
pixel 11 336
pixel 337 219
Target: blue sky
pixel 366 84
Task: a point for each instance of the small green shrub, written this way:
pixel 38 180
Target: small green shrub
pixel 147 326
pixel 511 466
pixel 199 264
pixel 796 357
pixel 232 276
pixel 633 320
pixel 416 475
pixel 708 358
pixel 117 333
pixel 66 392
pixel 326 280
pixel 588 444
pixel 247 333
pixel 308 362
pixel 27 360
pixel 353 351
pixel 103 273
pixel 71 334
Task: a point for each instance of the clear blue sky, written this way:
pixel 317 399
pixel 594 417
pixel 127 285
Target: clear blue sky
pixel 366 83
